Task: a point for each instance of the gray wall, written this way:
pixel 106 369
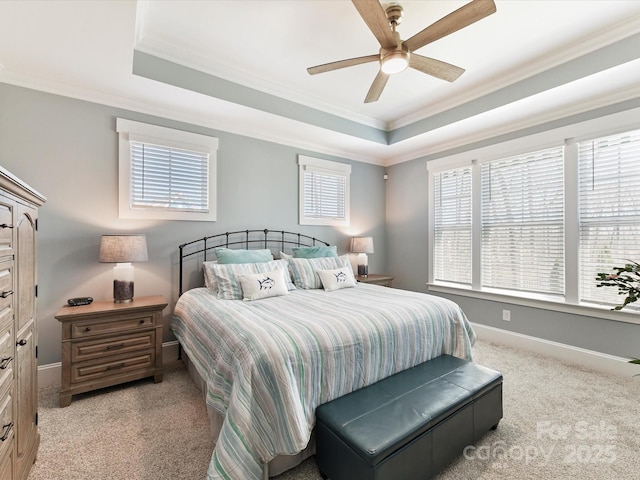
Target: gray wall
pixel 68 150
pixel 407 213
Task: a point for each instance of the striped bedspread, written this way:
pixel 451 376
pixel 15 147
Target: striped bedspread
pixel 269 363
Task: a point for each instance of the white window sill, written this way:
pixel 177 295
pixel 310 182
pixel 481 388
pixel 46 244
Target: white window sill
pixel 534 301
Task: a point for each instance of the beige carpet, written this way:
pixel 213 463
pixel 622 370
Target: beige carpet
pixel 560 422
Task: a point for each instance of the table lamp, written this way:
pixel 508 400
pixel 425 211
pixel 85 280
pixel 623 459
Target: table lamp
pixel 122 249
pixel 362 246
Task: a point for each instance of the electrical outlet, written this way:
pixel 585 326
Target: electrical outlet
pixel 506 315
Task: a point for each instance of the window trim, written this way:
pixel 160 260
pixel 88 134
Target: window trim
pixel 169 137
pixel 505 296
pixel 332 168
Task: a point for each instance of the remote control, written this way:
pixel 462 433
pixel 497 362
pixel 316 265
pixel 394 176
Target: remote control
pixel 74 302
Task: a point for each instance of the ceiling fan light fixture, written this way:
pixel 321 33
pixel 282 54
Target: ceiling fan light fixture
pixel 395 54
pixel 395 62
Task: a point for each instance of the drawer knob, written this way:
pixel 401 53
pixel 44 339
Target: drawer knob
pixel 6 293
pixel 141 322
pixel 7 430
pixel 115 367
pixel 5 225
pixel 88 329
pixel 116 346
pixel 4 363
pixel 22 342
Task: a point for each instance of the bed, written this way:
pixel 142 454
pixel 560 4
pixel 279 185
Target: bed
pixel 265 365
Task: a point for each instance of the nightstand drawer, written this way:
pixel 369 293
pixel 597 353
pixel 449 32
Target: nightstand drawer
pixel 90 328
pixel 6 424
pixel 89 350
pixel 118 365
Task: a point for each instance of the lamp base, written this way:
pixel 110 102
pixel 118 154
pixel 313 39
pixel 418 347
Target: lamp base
pixel 122 291
pixel 123 283
pixel 363 270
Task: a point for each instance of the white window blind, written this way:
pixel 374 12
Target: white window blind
pixel 523 222
pixel 165 174
pixel 324 195
pixel 324 192
pixel 452 226
pixel 609 210
pixel 168 178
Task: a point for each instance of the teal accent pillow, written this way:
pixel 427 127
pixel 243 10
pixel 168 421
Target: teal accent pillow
pixel 228 255
pixel 315 252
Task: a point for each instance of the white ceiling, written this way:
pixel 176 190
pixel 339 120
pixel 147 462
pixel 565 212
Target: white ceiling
pixel 85 50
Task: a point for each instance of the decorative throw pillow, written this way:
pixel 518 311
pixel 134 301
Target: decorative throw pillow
pixel 303 270
pixel 262 285
pixel 315 252
pixel 337 278
pixel 285 256
pixel 226 275
pixel 228 255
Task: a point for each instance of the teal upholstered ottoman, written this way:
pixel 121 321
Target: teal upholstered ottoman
pixel 409 425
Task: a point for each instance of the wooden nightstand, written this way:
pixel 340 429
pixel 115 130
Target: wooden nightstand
pixel 107 343
pixel 384 280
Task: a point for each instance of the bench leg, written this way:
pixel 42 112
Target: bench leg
pixel 495 427
pixel 322 474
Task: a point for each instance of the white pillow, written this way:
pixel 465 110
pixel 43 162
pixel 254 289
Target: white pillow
pixel 262 285
pixel 303 270
pixel 337 278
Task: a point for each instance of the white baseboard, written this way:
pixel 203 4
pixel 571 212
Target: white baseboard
pixel 568 353
pixel 49 375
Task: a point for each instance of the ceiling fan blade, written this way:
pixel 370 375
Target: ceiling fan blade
pixel 435 68
pixel 327 67
pixel 375 17
pixel 463 17
pixel 376 87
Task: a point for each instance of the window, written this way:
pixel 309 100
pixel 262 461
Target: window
pixel 609 192
pixel 522 222
pixel 539 225
pixel 324 192
pixel 166 174
pixel 452 226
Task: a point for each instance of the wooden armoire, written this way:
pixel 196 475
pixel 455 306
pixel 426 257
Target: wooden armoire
pixel 19 437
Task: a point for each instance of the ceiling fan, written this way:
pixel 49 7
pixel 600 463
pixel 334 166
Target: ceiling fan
pixel 395 54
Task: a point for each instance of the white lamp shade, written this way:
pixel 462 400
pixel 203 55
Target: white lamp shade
pixel 362 245
pixel 123 248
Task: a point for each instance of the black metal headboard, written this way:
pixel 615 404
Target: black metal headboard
pixel 246 239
